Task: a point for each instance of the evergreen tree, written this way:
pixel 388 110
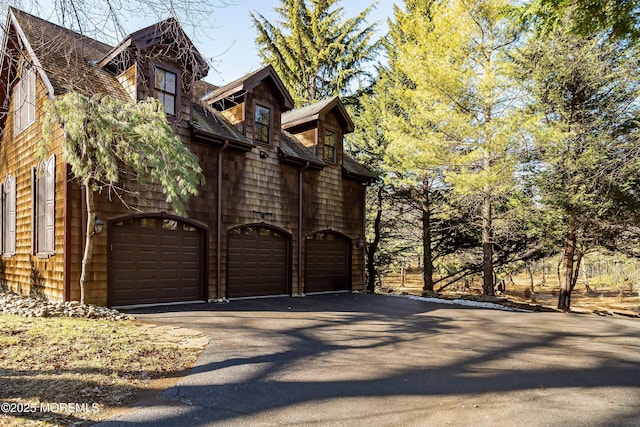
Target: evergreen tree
pixel 368 145
pixel 618 18
pixel 452 121
pixel 586 93
pixel 315 50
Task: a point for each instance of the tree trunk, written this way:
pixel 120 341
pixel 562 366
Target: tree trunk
pixel 576 268
pixel 487 248
pixel 564 297
pixel 586 279
pixel 531 287
pixel 372 248
pixel 88 246
pixel 427 274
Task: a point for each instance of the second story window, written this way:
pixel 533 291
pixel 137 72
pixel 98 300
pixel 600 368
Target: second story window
pixel 165 89
pixel 262 124
pixel 24 103
pixel 330 146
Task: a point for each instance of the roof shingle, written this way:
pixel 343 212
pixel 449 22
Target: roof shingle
pixel 315 111
pixel 68 58
pixel 291 149
pixel 211 123
pixel 353 169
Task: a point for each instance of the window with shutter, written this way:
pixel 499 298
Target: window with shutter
pixel 9 217
pixel 44 208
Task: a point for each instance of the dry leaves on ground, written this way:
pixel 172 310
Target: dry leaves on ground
pixel 69 371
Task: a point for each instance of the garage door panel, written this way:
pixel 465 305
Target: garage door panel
pixel 257 262
pixel 155 261
pixel 327 260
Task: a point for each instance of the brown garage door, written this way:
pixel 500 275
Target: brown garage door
pixel 327 263
pixel 155 260
pixel 257 262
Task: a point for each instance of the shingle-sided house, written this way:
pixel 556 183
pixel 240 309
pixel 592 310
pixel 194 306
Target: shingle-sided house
pixel 281 213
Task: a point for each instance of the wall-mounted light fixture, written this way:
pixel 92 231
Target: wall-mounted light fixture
pixel 263 215
pixel 98 226
pixel 263 154
pixel 360 242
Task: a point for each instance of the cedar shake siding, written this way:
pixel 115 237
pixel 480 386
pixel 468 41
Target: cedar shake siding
pixel 275 216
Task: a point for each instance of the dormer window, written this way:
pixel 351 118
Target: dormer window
pixel 165 89
pixel 329 146
pixel 262 124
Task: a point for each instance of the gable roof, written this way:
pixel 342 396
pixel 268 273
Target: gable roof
pixel 167 33
pixel 247 83
pixel 317 111
pixel 64 59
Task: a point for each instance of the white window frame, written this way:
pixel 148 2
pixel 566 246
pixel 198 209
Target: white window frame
pixel 24 99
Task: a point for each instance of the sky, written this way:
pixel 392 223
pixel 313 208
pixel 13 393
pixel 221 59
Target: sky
pixel 231 44
pixel 227 39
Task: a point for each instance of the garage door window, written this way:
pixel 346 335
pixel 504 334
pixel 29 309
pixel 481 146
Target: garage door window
pixel 148 223
pixel 321 236
pixel 168 224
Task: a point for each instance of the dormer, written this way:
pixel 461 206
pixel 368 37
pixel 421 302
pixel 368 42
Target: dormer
pixel 321 126
pixel 159 61
pixel 254 104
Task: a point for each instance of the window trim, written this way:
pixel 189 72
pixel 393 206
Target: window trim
pixel 9 216
pixel 43 180
pixel 335 146
pixel 24 98
pixel 178 95
pixel 269 126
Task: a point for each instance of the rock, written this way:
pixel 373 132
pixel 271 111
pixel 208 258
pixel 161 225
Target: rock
pixel 11 303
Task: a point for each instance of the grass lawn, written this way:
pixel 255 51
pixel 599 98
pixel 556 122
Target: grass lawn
pixel 70 371
pixel 602 298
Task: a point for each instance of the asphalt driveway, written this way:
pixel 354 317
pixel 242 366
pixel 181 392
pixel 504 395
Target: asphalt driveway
pixel 356 359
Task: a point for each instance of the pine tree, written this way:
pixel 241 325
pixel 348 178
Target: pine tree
pixel 585 94
pixel 453 122
pixel 315 50
pixel 619 19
